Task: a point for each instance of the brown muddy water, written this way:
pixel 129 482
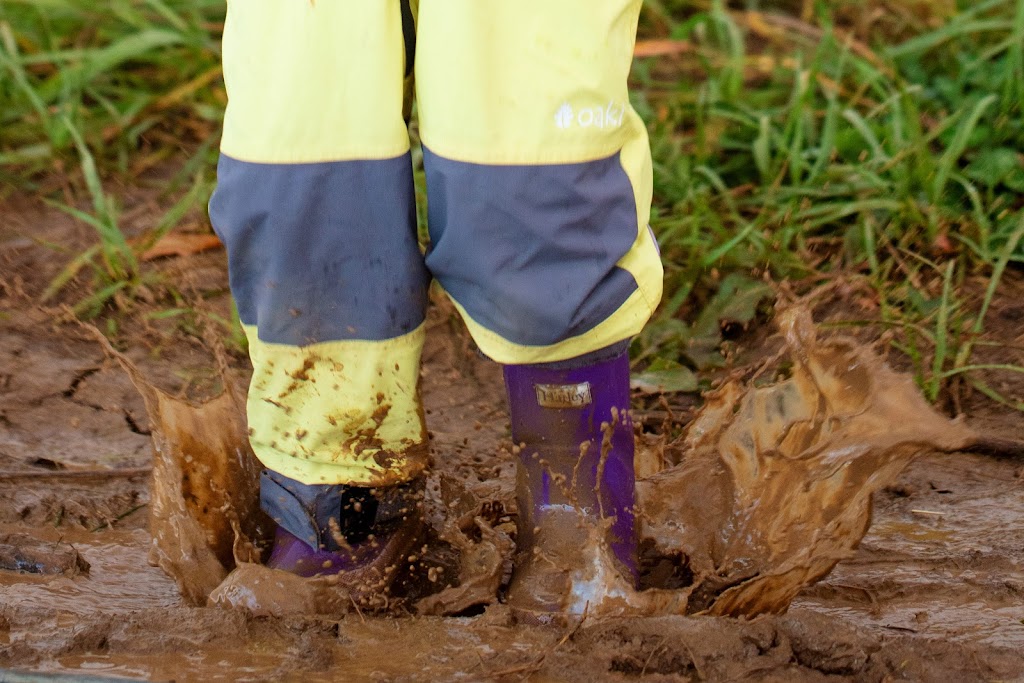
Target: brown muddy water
pixel 760 563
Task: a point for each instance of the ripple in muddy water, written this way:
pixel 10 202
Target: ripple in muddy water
pixel 226 665
pixel 119 578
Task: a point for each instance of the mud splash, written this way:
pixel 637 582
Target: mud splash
pixel 772 486
pixel 767 491
pixel 205 515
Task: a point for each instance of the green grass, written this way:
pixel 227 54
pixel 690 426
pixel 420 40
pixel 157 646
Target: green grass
pixel 792 140
pixel 794 149
pixel 113 89
pixel 131 77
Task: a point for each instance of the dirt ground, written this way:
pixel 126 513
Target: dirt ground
pixel 935 591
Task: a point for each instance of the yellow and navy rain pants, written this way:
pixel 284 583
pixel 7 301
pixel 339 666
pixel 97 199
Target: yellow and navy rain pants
pixel 538 178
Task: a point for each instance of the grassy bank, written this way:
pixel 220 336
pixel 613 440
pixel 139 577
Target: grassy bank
pixel 875 142
pixel 809 141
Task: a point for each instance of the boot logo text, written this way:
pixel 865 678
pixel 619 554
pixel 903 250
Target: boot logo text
pixel 564 395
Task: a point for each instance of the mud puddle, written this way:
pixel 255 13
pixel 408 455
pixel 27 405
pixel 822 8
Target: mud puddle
pixel 117 579
pixel 768 490
pixel 929 595
pixel 944 562
pixel 123 618
pixel 418 650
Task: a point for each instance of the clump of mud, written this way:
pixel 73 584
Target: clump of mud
pixel 769 488
pixel 26 554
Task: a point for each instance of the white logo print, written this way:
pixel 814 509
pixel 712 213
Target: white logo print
pixel 565 116
pixel 610 116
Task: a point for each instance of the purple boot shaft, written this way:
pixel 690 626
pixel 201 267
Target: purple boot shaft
pixel 576 437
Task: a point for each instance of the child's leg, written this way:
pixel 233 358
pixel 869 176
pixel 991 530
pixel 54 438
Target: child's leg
pixel 539 182
pixel 538 172
pixel 315 203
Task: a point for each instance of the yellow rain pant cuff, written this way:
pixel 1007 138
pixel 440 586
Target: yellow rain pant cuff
pixel 340 412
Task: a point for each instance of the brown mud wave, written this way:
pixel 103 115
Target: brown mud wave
pixel 205 515
pixel 769 488
pixel 773 485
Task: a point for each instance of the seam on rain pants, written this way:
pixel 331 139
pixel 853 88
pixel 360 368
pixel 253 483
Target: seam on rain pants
pixel 539 184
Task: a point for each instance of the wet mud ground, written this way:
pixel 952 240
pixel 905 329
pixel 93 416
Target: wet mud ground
pixel 935 591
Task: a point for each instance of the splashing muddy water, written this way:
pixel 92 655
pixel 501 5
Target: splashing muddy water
pixel 767 491
pixel 773 485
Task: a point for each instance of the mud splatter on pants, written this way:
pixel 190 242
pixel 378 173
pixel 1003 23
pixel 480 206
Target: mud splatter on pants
pixel 539 184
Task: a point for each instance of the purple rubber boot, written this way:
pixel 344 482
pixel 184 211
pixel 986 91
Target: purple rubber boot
pixel 292 554
pixel 575 434
pixel 358 533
